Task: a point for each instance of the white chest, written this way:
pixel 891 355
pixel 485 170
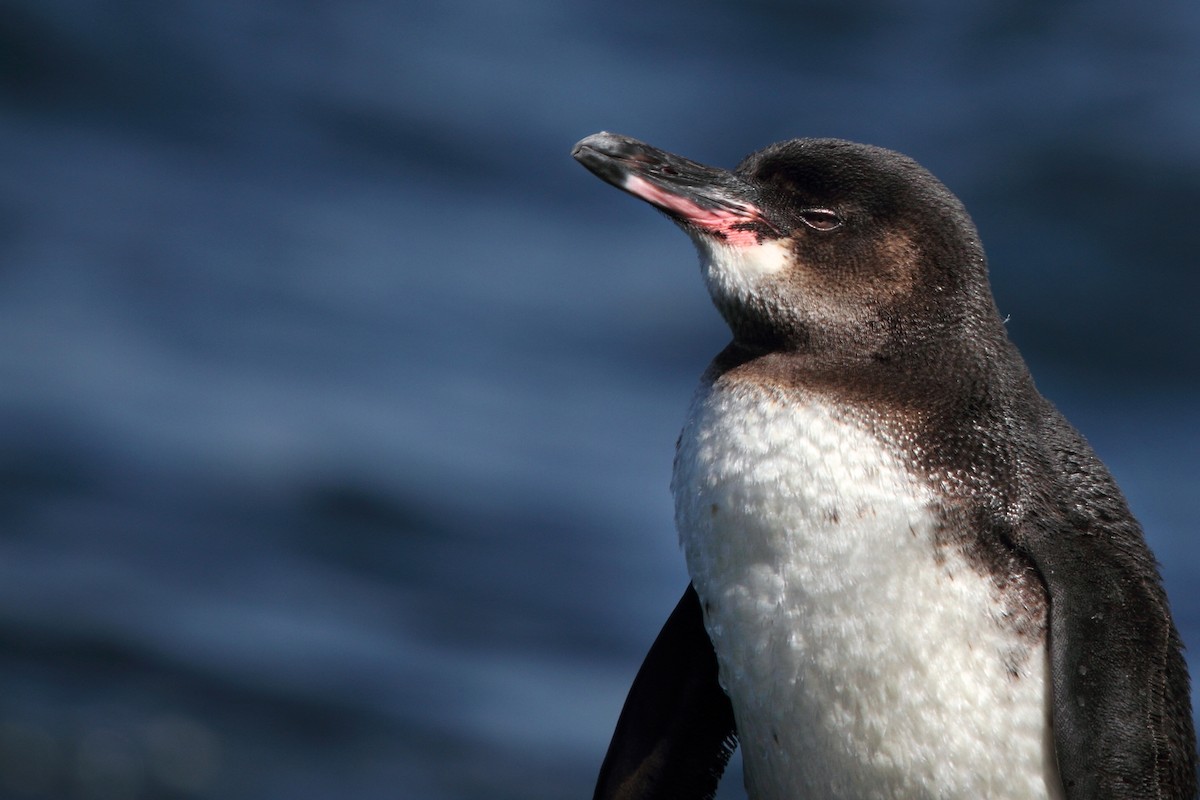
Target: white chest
pixel 861 660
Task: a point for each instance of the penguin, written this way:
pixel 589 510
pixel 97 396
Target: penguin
pixel 910 576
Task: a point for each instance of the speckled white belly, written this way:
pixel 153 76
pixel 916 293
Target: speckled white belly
pixel 860 663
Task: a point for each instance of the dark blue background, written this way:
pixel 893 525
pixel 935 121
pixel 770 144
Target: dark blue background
pixel 338 404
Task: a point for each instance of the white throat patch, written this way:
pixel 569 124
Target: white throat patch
pixel 738 271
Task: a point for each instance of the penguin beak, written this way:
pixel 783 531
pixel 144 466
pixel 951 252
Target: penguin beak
pixel 702 199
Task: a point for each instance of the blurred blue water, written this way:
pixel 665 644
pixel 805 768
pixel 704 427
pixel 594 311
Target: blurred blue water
pixel 338 403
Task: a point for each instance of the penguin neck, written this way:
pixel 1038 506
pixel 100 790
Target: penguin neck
pixel 849 343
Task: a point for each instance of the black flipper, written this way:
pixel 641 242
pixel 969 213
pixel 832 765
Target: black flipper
pixel 676 731
pixel 1122 712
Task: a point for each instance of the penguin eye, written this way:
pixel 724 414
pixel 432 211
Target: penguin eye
pixel 820 219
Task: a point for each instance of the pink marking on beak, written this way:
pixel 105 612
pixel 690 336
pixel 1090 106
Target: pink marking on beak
pixel 720 221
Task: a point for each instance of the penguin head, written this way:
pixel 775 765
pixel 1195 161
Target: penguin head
pixel 839 249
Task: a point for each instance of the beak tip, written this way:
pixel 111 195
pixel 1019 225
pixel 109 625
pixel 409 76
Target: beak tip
pixel 601 154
